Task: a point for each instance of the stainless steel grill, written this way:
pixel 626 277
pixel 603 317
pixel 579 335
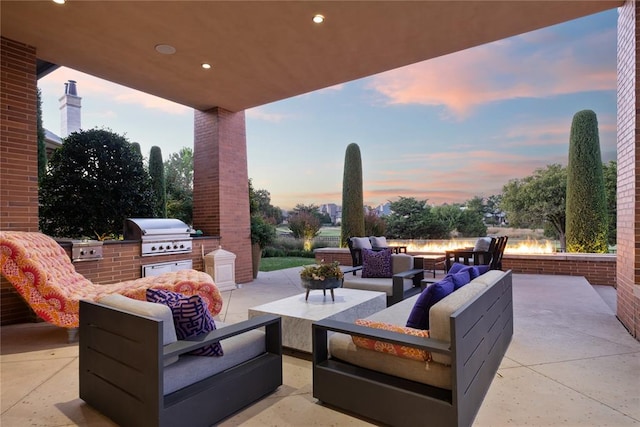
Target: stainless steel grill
pixel 159 236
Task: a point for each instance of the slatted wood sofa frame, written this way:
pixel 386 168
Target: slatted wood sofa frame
pixel 481 331
pixel 122 370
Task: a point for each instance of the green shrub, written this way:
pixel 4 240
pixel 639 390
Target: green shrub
pixel 94 181
pixel 271 252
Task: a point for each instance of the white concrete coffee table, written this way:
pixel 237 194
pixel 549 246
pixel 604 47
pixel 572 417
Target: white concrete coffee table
pixel 298 314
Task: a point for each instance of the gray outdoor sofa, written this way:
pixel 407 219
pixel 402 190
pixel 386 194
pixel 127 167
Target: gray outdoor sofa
pixel 470 331
pixel 127 373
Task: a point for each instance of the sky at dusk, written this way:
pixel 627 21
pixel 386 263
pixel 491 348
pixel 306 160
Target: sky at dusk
pixel 445 130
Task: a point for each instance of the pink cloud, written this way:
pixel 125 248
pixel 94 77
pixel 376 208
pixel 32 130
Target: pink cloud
pixel 89 85
pixel 446 178
pixel 259 113
pixel 500 71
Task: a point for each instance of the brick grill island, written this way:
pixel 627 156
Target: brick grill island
pixel 598 269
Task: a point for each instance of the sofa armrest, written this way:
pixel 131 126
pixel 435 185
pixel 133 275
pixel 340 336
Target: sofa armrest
pixel 416 274
pixel 352 269
pixel 320 344
pixel 273 336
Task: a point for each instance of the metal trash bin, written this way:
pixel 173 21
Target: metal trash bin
pixel 221 265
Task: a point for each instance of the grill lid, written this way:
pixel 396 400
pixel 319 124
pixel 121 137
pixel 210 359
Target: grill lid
pixel 136 228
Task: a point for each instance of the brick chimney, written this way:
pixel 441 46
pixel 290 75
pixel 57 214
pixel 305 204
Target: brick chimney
pixel 69 109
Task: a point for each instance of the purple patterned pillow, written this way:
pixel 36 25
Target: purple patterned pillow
pixel 190 317
pixel 376 263
pixel 419 316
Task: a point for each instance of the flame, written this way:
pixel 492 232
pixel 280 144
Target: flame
pixel 439 246
pixel 531 247
pixel 517 247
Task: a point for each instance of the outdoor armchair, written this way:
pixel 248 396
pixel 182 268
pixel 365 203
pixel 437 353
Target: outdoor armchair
pixel 481 254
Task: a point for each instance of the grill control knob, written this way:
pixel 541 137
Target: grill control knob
pixel 153 248
pixel 181 246
pixel 175 246
pixel 161 247
pixel 92 252
pixel 82 252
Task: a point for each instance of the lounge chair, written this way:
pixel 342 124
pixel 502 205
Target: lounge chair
pixel 42 273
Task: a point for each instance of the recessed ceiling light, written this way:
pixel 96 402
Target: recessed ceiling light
pixel 318 19
pixel 165 49
pixel 205 65
pixel 59 1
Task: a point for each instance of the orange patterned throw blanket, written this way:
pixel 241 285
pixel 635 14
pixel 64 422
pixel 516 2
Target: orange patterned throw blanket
pixel 43 274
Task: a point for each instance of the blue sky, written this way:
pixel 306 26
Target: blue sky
pixel 445 130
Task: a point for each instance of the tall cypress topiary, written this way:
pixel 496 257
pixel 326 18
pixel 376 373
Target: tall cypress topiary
pixel 42 148
pixel 158 182
pixel 587 225
pixel 352 199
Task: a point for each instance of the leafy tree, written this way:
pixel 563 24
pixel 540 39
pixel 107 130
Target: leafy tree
pixel 158 182
pixel 448 214
pixel 374 225
pixel 476 205
pixel 412 219
pixel 262 232
pixel 537 200
pixel 352 196
pixel 271 213
pixel 179 180
pixel 311 209
pixel 314 210
pixel 42 148
pixel 95 181
pixel 470 224
pixel 586 200
pixel 304 225
pixel 492 207
pixel 610 172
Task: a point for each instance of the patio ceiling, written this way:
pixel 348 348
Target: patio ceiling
pixel 264 51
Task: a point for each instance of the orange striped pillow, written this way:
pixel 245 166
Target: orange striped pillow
pixel 394 349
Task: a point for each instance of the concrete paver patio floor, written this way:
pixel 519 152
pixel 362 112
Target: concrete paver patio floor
pixel 570 363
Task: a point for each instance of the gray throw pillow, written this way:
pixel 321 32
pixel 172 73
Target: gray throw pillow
pixel 482 244
pixel 147 309
pixel 360 243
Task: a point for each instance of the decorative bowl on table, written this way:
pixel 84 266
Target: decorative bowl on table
pixel 322 276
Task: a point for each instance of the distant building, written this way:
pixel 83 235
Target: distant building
pixel 384 209
pixel 334 211
pixel 51 142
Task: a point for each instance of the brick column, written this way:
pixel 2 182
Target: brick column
pixel 18 137
pixel 18 158
pixel 221 184
pixel 628 257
